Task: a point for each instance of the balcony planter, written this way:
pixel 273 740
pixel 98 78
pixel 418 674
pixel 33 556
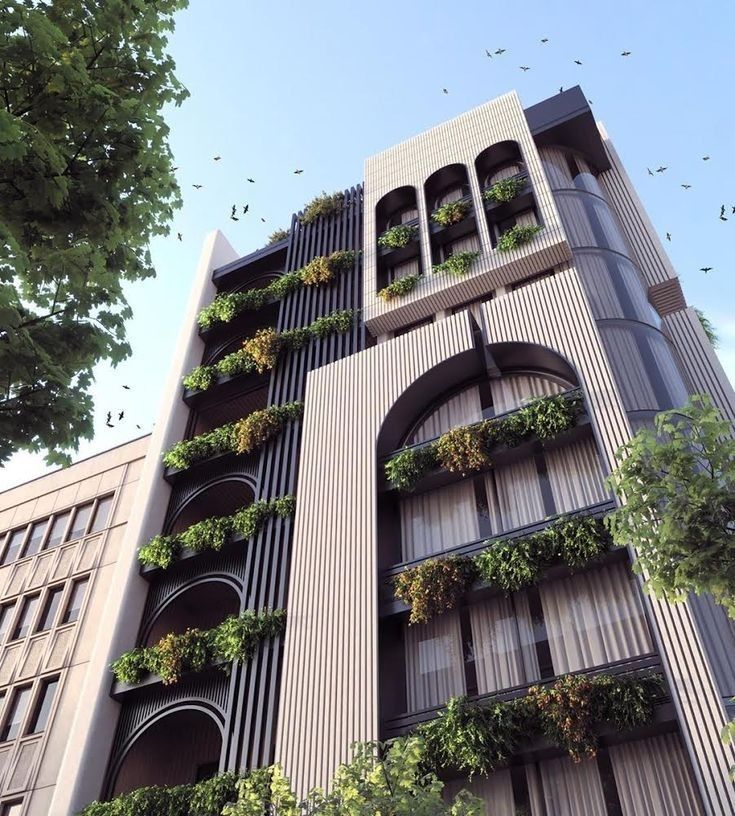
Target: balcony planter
pixel 506 190
pixel 399 236
pixel 398 288
pixel 457 265
pixel 517 236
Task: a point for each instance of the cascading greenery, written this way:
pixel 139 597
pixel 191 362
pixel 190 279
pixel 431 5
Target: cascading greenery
pixel 244 436
pixel 260 352
pixel 516 236
pixel 451 213
pixel 236 638
pixel 320 270
pixel 458 264
pixel 277 236
pixel 437 585
pixel 504 190
pixel 325 205
pixel 479 739
pixel 398 236
pixel 213 533
pixel 399 287
pixel 467 449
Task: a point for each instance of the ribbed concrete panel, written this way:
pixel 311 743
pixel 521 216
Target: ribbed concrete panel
pixel 329 678
pixel 459 140
pixel 700 362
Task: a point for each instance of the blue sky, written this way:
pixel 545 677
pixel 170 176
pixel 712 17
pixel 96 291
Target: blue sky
pixel 319 86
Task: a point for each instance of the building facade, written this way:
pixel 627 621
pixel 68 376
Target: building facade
pixel 61 536
pixel 552 285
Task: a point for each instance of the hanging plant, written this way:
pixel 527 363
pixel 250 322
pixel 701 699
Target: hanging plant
pixel 325 205
pixel 252 432
pixel 263 349
pixel 399 287
pixel 516 236
pixel 504 190
pixel 451 213
pixel 463 450
pixel 434 586
pixel 277 236
pixel 409 466
pixel 398 236
pixel 458 264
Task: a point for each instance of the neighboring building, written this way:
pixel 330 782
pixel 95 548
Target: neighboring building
pixel 61 538
pixel 589 305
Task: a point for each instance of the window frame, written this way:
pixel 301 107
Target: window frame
pixel 27 600
pixel 82 581
pixel 39 700
pixel 12 707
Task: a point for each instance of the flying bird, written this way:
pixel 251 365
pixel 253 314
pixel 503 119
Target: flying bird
pixel 197 186
pixel 577 62
pixel 488 54
pixel 561 89
pixel 500 51
pixel 178 235
pixel 668 236
pixel 138 427
pixel 263 220
pixel 245 209
pixel 705 269
pixel 109 416
pixel 650 172
pixel 252 181
pixel 686 186
pixel 705 158
pixel 217 158
pixel 661 169
pixel 126 387
pixel 174 169
pixel 233 217
pixel 444 90
pixel 524 67
pixel 722 213
pixel 544 39
pixel 121 415
pixel 733 211
pixel 297 172
pixel 625 54
pixel 589 102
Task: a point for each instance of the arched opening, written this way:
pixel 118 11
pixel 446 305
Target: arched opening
pixel 177 749
pixel 396 259
pixel 498 162
pixel 223 498
pixel 449 187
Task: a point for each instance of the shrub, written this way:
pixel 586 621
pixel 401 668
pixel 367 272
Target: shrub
pixel 188 452
pixel 277 236
pixel 285 284
pixel 317 271
pixel 238 637
pixel 263 349
pixel 451 213
pixel 399 287
pixel 517 235
pixel 463 450
pixel 257 428
pixel 504 190
pixel 200 379
pixel 458 264
pixel 325 205
pixel 409 466
pixel 398 236
pixel 160 551
pixel 434 586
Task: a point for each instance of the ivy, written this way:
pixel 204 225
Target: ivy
pixel 451 213
pixel 236 638
pixel 458 264
pixel 399 287
pixel 398 236
pixel 516 236
pixel 479 739
pixel 325 205
pixel 320 270
pixel 466 449
pixel 260 352
pixel 213 533
pixel 437 585
pixel 277 236
pixel 504 190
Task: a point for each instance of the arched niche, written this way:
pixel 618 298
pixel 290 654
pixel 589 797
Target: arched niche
pixel 222 497
pixel 499 161
pixel 397 207
pixel 449 183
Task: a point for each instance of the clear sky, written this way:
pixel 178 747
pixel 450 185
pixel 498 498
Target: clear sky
pixel 277 86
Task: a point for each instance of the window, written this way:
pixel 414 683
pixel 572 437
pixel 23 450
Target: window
pixel 13 547
pixel 76 599
pixel 23 626
pixel 101 514
pixel 35 537
pixel 81 518
pixel 406 329
pixel 16 714
pixel 43 706
pixel 12 808
pixel 6 613
pixel 51 608
pixel 58 528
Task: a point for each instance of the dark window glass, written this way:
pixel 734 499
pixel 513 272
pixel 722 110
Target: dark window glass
pixel 412 326
pixel 50 609
pixel 23 626
pixel 13 547
pixel 35 537
pixel 101 514
pixel 16 713
pixel 81 518
pixel 43 706
pixel 6 613
pixel 58 528
pixel 12 808
pixel 75 601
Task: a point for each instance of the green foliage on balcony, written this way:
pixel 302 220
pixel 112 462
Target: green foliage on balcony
pixel 277 236
pixel 326 205
pixel 451 213
pixel 467 449
pixel 213 533
pixel 517 236
pixel 709 328
pixel 236 638
pixel 504 190
pixel 399 287
pixel 458 264
pixel 398 236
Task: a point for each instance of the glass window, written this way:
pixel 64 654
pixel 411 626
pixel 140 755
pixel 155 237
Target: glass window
pixel 35 537
pixel 81 518
pixel 101 515
pixel 58 528
pixel 13 547
pixel 12 808
pixel 43 706
pixel 75 601
pixel 6 613
pixel 50 609
pixel 28 612
pixel 16 713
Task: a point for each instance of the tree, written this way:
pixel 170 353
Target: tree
pixel 86 180
pixel 678 484
pixel 369 784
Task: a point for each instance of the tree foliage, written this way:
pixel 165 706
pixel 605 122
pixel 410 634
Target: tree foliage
pixel 86 180
pixel 678 483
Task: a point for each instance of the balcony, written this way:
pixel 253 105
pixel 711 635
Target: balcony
pixel 389 256
pixel 441 235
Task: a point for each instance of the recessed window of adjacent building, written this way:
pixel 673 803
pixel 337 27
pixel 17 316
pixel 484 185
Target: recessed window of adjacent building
pixel 43 706
pixel 58 528
pixel 81 519
pixel 76 599
pixel 25 619
pixel 101 514
pixel 15 714
pixel 14 545
pixel 35 537
pixel 12 808
pixel 50 609
pixel 6 614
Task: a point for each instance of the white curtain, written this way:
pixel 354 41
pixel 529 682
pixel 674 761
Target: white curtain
pixel 594 618
pixel 405 269
pixel 505 651
pixel 470 243
pixel 451 195
pixel 653 778
pixel 439 520
pixel 461 409
pixel 514 495
pixel 495 790
pixel 508 171
pixel 576 476
pixel 434 662
pixel 409 215
pixel 527 218
pixel 514 390
pixel 567 789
